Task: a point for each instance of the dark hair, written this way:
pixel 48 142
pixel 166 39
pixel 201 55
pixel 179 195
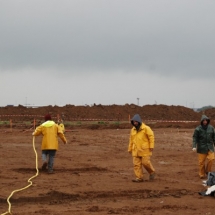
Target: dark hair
pixel 47 117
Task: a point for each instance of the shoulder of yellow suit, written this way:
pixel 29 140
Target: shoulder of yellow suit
pixel 48 123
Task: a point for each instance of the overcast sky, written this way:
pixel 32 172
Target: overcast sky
pixel 107 52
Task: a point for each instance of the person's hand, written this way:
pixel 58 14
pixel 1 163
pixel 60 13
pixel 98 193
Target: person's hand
pixel 33 134
pixel 65 142
pixel 129 152
pixel 194 149
pixel 150 149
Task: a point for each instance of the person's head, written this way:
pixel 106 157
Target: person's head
pixel 136 121
pixel 47 117
pixel 205 120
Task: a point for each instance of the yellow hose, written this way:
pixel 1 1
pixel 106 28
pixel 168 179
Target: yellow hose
pixel 29 181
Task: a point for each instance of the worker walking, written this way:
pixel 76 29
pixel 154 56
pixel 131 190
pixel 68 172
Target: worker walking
pixel 203 144
pixel 141 145
pixel 50 131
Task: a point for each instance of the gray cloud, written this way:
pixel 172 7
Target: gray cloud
pixel 162 37
pixel 107 51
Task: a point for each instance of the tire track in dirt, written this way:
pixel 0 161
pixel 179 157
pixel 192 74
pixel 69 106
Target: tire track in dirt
pixel 138 210
pixel 73 170
pixel 56 197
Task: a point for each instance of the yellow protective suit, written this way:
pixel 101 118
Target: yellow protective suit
pixel 50 131
pixel 141 141
pixel 205 167
pixel 141 144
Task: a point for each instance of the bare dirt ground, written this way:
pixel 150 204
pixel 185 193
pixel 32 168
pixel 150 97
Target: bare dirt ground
pixel 93 174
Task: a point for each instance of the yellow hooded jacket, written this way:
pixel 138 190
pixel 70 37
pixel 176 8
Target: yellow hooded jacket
pixel 141 141
pixel 50 131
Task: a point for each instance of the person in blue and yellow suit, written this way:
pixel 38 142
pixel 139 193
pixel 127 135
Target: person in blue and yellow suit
pixel 141 145
pixel 50 131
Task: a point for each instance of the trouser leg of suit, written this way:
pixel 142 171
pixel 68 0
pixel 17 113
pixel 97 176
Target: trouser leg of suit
pixel 147 164
pixel 139 163
pixel 203 169
pixel 210 159
pixel 138 170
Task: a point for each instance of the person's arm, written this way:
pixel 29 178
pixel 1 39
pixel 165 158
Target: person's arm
pixel 195 139
pixel 214 137
pixel 61 134
pixel 130 145
pixel 151 138
pixel 37 131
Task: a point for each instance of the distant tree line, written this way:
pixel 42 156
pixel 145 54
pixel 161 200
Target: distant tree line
pixel 204 108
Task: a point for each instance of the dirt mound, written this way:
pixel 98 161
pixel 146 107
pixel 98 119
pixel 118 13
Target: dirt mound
pixel 103 112
pixel 210 113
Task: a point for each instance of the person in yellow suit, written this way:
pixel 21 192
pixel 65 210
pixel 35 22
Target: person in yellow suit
pixel 50 131
pixel 141 145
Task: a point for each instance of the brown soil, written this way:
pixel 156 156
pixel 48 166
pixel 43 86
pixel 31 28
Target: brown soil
pixel 93 174
pixel 104 112
pixel 106 116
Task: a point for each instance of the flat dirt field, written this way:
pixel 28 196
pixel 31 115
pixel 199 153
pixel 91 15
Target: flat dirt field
pixel 93 174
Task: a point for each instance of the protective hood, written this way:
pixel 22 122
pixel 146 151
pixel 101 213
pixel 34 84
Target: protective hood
pixel 136 118
pixel 205 117
pixel 48 123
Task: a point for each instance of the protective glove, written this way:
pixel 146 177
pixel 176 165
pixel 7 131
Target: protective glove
pixel 210 190
pixel 194 149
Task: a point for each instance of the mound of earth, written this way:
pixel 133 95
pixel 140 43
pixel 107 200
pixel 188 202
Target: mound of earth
pixel 210 112
pixel 107 113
